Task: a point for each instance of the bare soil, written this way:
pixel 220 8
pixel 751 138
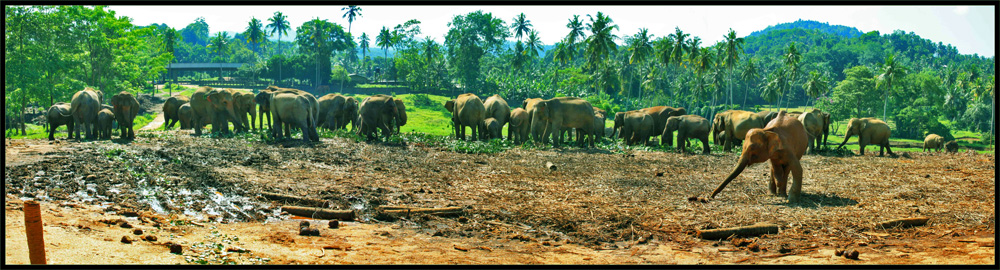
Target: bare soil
pixel 597 207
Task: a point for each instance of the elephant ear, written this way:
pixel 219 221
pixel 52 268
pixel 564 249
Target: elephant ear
pixel 774 142
pixel 862 126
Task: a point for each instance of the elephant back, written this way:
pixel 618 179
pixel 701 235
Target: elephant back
pixel 497 108
pixel 86 104
pixel 470 109
pixel 797 140
pixel 812 123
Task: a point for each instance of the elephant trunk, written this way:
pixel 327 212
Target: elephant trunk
pixel 847 136
pixel 744 161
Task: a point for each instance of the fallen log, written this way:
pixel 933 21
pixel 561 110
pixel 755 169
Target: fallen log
pixel 319 213
pixel 744 231
pixel 550 166
pixel 430 211
pixel 903 222
pixel 295 199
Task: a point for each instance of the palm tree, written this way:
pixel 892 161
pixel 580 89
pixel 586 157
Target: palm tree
pixel 364 45
pixel 534 43
pixel 352 13
pixel 562 54
pixel 749 74
pixel 600 43
pixel 640 49
pixel 519 53
pixel 680 47
pixel 891 71
pixel 694 49
pixel 431 49
pixel 792 58
pixel 520 26
pixel 816 85
pixel 576 33
pixel 384 41
pixel 255 33
pixel 734 46
pixel 219 45
pixel 279 25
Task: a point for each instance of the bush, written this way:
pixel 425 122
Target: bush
pixel 916 123
pixel 976 118
pixel 422 100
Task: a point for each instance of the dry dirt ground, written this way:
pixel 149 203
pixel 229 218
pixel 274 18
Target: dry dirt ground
pixel 597 207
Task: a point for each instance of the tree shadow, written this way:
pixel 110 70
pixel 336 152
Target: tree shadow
pixel 812 200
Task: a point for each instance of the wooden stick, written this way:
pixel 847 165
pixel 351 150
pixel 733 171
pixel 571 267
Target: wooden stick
pixel 33 229
pixel 295 199
pixel 550 165
pixel 319 213
pixel 904 222
pixel 745 231
pixel 430 211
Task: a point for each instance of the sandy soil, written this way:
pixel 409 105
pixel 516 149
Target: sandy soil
pixel 597 207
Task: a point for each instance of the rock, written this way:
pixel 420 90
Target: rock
pixel 839 252
pixel 333 224
pixel 853 254
pixel 126 225
pixel 175 248
pixel 306 231
pixel 303 224
pixel 137 231
pixel 150 238
pixel 126 240
pixel 91 177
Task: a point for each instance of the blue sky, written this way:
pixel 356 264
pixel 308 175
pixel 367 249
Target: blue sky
pixel 971 29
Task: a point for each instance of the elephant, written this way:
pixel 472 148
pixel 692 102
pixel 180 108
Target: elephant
pixel 216 107
pixel 599 118
pixel 184 115
pixel 245 105
pixel 736 123
pixel 813 123
pixel 126 109
pixel 84 107
pixel 376 112
pixel 493 128
pixel 660 115
pixel 529 107
pixel 638 126
pixel 619 123
pixel 869 131
pixel 688 127
pixel 292 108
pixel 400 119
pixel 519 127
pixel 933 142
pixel 263 99
pixel 825 116
pixel 951 146
pixel 497 108
pixel 564 112
pixel 349 114
pixel 58 115
pixel 766 116
pixel 467 110
pixel 105 118
pixel 783 141
pixel 170 108
pixel 331 107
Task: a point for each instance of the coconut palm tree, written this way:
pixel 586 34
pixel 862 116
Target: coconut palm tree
pixel 600 43
pixel 220 45
pixel 733 46
pixel 353 12
pixel 384 41
pixel 791 61
pixel 279 25
pixel 749 74
pixel 817 85
pixel 640 50
pixel 363 44
pixel 576 33
pixel 520 26
pixel 891 71
pixel 255 33
pixel 534 43
pixel 680 46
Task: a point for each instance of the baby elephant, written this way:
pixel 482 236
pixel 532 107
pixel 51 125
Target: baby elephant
pixel 688 127
pixel 104 121
pixel 493 128
pixel 951 147
pixel 933 142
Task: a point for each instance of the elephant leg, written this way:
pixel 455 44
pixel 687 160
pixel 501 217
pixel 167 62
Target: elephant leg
pixel 52 132
pixel 704 144
pixel 796 191
pixel 888 149
pixel 729 143
pixel 782 178
pixel 772 184
pixel 305 132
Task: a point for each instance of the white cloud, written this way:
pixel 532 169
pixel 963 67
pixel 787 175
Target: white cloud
pixel 961 10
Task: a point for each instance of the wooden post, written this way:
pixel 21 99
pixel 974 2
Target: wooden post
pixel 33 229
pixel 319 213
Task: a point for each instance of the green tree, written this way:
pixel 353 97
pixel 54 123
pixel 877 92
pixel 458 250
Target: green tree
pixel 681 46
pixel 791 61
pixel 891 71
pixel 352 12
pixel 817 85
pixel 576 33
pixel 748 75
pixel 734 47
pixel 640 49
pixel 220 45
pixel 534 44
pixel 319 39
pixel 601 42
pixel 279 25
pixel 855 95
pixel 364 45
pixel 255 33
pixel 520 26
pixel 469 38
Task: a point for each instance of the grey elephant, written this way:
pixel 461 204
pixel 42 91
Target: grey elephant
pixel 104 121
pixel 126 108
pixel 293 108
pixel 376 113
pixel 170 108
pixel 951 146
pixel 813 123
pixel 493 128
pixel 497 108
pixel 214 106
pixel 331 106
pixel 467 110
pixel 561 113
pixel 637 128
pixel 687 127
pixel 84 108
pixel 400 120
pixel 519 126
pixel 869 131
pixel 184 115
pixel 58 115
pixel 933 142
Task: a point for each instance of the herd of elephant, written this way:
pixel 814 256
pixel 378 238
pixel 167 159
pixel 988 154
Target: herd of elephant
pixel 88 112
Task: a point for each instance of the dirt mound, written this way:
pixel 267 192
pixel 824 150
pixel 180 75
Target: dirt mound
pixel 149 103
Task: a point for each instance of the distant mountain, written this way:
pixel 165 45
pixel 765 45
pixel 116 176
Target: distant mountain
pixel 839 30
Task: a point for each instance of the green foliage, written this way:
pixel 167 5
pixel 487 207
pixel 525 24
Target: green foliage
pixel 471 37
pixel 916 123
pixel 422 100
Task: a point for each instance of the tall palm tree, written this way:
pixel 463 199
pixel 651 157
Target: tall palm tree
pixel 694 49
pixel 816 85
pixel 431 49
pixel 734 46
pixel 749 74
pixel 576 33
pixel 680 45
pixel 600 43
pixel 384 41
pixel 279 25
pixel 353 12
pixel 891 71
pixel 520 26
pixel 534 43
pixel 255 33
pixel 640 50
pixel 562 54
pixel 791 61
pixel 364 45
pixel 219 45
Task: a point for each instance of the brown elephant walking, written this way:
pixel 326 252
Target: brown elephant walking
pixel 126 109
pixel 687 127
pixel 245 105
pixel 331 106
pixel 216 107
pixel 293 108
pixel 467 110
pixel 170 108
pixel 637 128
pixel 105 119
pixel 933 142
pixel 519 126
pixel 869 131
pixel 497 108
pixel 184 115
pixel 783 142
pixel 736 123
pixel 84 107
pixel 58 115
pixel 660 115
pixel 813 123
pixel 376 113
pixel 619 123
pixel 560 113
